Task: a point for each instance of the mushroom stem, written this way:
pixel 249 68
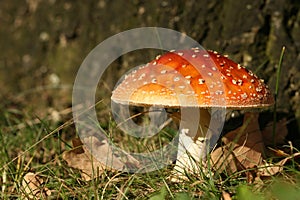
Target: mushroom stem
pixel 192 147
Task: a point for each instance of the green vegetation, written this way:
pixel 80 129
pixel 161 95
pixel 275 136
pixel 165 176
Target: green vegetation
pixel 37 145
pixel 32 144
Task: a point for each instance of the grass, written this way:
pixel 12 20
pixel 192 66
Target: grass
pixel 277 89
pixel 31 144
pixel 37 148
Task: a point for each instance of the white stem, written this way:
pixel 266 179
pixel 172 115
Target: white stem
pixel 193 148
pixel 189 153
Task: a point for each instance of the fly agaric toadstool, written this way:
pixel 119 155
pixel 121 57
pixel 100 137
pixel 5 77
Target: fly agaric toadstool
pixel 173 80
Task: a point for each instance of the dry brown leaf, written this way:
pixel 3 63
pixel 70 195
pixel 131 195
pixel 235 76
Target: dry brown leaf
pixel 77 144
pixel 242 149
pixel 32 187
pixel 80 158
pixel 281 133
pixel 89 164
pixel 272 169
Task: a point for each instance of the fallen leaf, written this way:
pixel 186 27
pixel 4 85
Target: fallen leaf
pixel 93 157
pixel 243 147
pixel 279 136
pixel 32 187
pixel 77 144
pixel 267 169
pixel 81 158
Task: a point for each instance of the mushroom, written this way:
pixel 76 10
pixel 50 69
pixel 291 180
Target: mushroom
pixel 193 80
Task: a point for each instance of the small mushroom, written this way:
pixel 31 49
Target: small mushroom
pixel 193 79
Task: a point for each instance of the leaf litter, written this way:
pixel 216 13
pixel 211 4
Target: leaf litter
pixel 243 149
pixel 33 187
pixel 93 157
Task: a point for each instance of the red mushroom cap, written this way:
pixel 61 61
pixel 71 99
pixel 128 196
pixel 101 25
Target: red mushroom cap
pixel 216 81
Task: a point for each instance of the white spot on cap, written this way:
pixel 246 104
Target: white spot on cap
pixel 194 56
pixel 163 71
pixel 219 92
pixel 240 82
pixel 142 76
pixel 234 81
pixel 188 77
pixel 183 66
pixel 176 78
pixel 154 63
pixel 244 96
pixel 180 53
pixel 201 81
pixel 258 89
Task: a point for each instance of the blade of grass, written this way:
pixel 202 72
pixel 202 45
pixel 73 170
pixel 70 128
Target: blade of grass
pixel 276 93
